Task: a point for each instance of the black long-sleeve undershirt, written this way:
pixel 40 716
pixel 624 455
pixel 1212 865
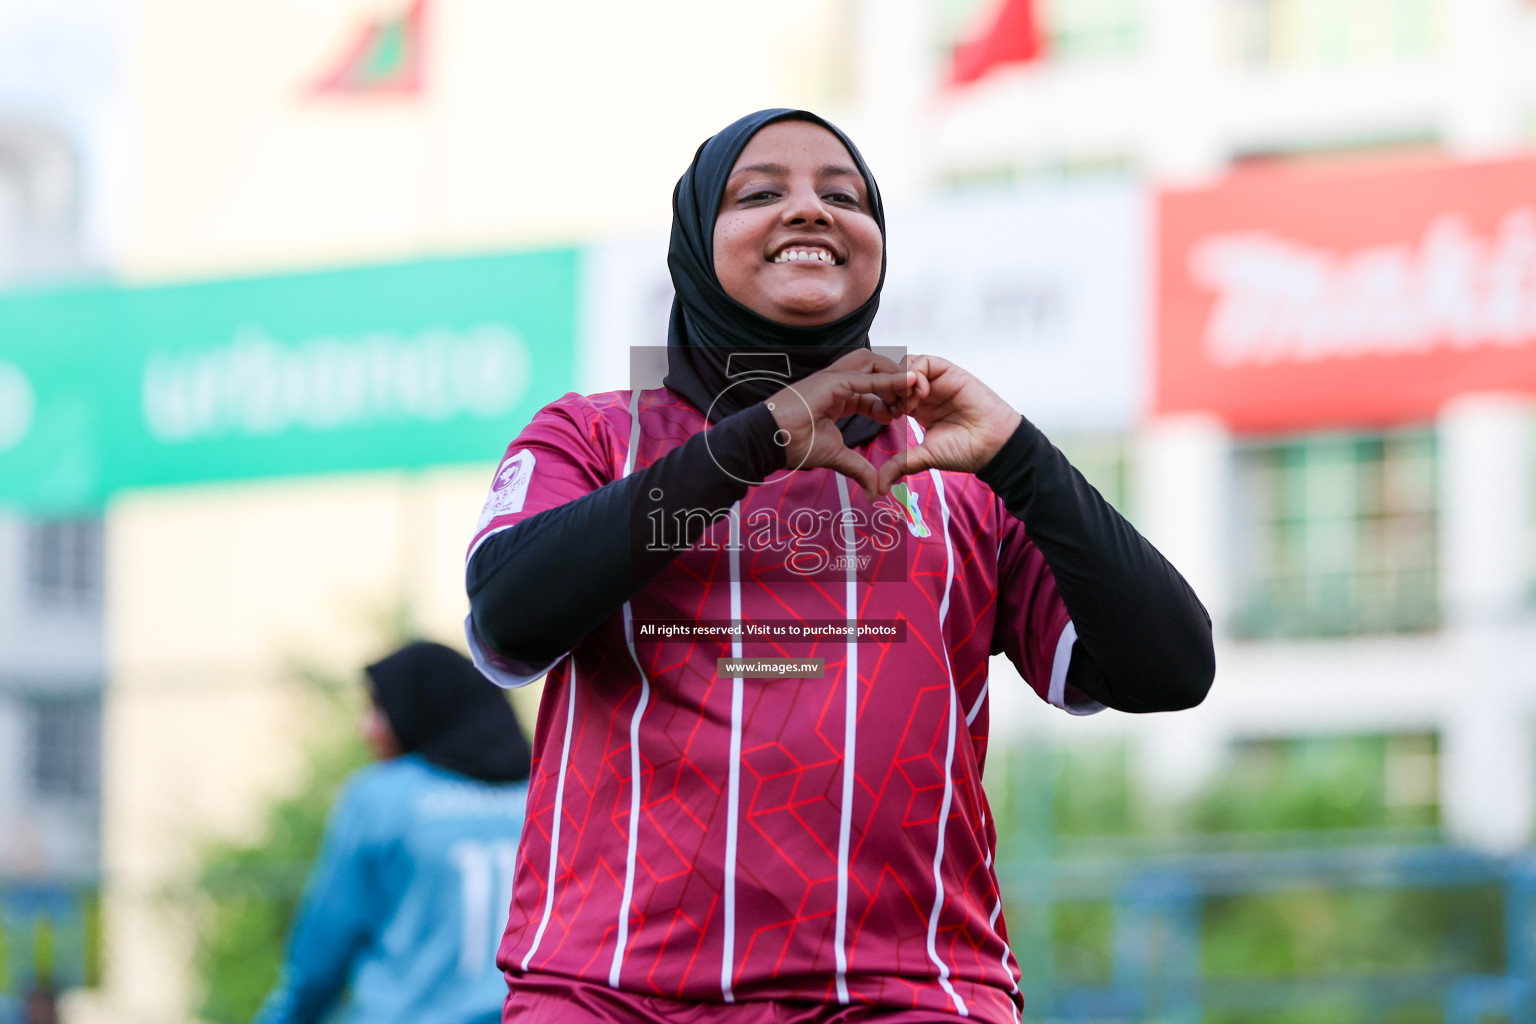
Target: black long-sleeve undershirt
pixel 1144 640
pixel 1143 637
pixel 534 591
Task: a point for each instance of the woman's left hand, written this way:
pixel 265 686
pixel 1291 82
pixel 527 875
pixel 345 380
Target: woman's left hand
pixel 964 422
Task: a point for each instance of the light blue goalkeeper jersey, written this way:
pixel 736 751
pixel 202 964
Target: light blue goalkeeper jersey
pixel 407 902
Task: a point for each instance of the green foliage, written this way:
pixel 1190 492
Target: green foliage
pixel 1083 935
pixel 1322 932
pixel 1045 795
pixel 92 914
pixel 247 892
pixel 1093 794
pixel 1312 784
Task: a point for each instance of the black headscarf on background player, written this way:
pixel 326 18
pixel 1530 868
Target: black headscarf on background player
pixel 441 707
pixel 707 325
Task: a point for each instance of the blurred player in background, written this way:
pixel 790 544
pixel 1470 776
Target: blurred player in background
pixel 409 896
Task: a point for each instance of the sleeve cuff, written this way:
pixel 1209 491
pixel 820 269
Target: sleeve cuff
pixel 1010 471
pixel 1059 693
pixel 504 672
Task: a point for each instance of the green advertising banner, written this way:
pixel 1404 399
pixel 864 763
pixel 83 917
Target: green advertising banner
pixel 400 366
pixel 52 436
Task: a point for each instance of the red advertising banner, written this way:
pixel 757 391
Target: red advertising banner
pixel 1307 299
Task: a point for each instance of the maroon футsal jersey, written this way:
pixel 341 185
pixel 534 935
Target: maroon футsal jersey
pixel 709 837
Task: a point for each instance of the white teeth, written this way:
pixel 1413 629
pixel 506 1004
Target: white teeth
pixel 795 255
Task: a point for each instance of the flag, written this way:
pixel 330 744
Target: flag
pixel 384 57
pixel 1012 37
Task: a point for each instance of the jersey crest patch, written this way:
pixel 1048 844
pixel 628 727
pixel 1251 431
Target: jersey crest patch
pixel 905 499
pixel 510 488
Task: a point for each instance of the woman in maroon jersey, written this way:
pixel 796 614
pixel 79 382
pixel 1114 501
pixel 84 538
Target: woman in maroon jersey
pixel 706 844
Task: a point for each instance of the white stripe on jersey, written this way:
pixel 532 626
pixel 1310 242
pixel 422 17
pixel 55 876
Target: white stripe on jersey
pixel 996 911
pixel 733 800
pixel 634 733
pixel 949 750
pixel 970 716
pixel 634 433
pixel 850 736
pixel 554 831
pixel 1013 983
pixel 1059 664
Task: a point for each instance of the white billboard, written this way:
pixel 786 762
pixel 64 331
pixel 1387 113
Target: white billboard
pixel 1043 293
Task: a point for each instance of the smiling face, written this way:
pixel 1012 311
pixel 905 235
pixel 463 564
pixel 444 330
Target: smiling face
pixel 794 239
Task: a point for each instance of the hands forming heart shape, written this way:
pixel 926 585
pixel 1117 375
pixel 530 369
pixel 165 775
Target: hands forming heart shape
pixel 964 421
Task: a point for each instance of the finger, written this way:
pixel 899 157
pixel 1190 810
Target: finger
pixel 903 463
pixel 932 366
pixel 873 407
pixel 887 408
pixel 891 387
pixel 857 468
pixel 916 393
pixel 867 360
pixel 860 359
pixel 917 364
pixel 884 412
pixel 840 403
pixel 934 410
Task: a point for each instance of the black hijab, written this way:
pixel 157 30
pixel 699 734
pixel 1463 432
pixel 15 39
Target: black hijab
pixel 707 325
pixel 442 708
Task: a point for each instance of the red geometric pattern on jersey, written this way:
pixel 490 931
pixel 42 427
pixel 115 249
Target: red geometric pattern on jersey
pixel 1002 599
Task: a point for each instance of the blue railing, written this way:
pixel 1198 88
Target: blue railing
pixel 1157 903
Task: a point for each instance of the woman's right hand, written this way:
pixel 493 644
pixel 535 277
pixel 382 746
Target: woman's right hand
pixel 807 411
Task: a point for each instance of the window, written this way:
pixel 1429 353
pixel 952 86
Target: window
pixel 1337 536
pixel 38 186
pixel 65 745
pixel 1074 29
pixel 64 561
pixel 1335 33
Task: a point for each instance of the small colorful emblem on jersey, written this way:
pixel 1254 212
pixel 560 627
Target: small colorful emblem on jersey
pixel 905 499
